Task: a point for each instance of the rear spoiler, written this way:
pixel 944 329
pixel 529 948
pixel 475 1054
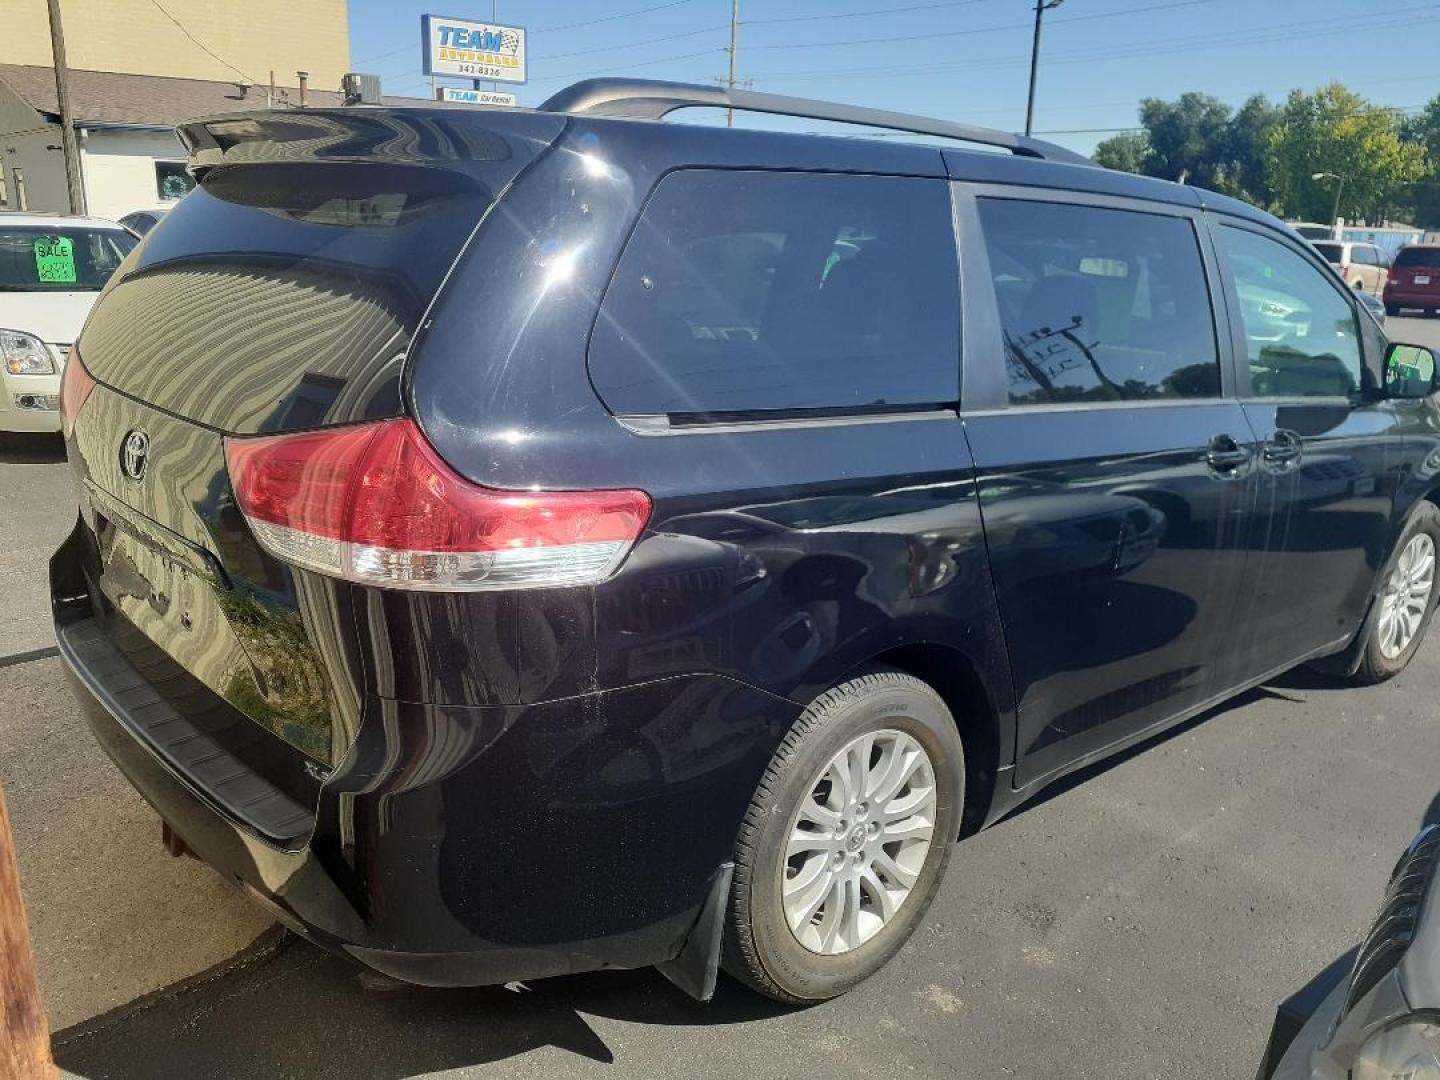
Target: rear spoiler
pixel 409 136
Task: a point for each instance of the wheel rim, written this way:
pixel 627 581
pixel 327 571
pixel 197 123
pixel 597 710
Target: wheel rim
pixel 858 842
pixel 1406 598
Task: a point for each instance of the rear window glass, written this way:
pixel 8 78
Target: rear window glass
pixel 755 291
pixel 1098 304
pixel 299 284
pixel 36 259
pixel 1419 256
pixel 1334 253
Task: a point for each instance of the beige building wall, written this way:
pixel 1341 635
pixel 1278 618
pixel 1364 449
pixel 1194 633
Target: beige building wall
pixel 255 36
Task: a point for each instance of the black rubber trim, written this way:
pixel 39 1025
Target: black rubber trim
pixel 195 757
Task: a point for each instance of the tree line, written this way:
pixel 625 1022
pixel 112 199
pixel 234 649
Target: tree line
pixel 1268 153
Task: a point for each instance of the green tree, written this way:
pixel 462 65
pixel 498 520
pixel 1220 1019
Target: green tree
pixel 1187 137
pixel 1424 128
pixel 1336 131
pixel 1126 152
pixel 1246 172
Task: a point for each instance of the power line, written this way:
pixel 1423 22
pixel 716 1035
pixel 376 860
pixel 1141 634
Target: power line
pixel 613 18
pixel 634 44
pixel 863 14
pixel 1145 9
pixel 1155 46
pixel 628 66
pixel 201 45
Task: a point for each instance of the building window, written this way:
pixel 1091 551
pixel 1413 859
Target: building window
pixel 21 202
pixel 172 181
pixel 4 190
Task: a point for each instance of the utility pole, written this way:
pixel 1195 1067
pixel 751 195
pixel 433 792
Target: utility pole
pixel 734 30
pixel 73 181
pixel 1041 6
pixel 24 1037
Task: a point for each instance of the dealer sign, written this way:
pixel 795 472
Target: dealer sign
pixel 474 50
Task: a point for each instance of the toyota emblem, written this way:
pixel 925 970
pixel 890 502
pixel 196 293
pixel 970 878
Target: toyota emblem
pixel 135 454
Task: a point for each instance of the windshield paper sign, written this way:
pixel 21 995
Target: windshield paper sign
pixel 55 260
pixel 474 50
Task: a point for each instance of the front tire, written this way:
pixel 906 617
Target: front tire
pixel 846 839
pixel 1406 600
pixel 1392 310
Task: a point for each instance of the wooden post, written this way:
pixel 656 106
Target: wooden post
pixel 24 1036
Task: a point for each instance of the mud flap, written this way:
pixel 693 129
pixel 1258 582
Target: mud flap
pixel 697 965
pixel 1346 662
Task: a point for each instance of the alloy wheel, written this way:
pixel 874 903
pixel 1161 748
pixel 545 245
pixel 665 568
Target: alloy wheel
pixel 858 841
pixel 1407 596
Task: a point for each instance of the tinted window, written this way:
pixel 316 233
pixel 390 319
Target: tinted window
pixel 268 274
pixel 60 260
pixel 1099 305
pixel 749 291
pixel 1419 256
pixel 1300 330
pixel 1334 253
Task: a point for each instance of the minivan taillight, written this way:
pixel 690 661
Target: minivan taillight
pixel 76 386
pixel 373 503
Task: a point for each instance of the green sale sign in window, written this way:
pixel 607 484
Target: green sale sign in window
pixel 55 259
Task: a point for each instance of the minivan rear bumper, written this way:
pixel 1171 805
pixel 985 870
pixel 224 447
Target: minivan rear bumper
pixel 469 846
pixel 1420 297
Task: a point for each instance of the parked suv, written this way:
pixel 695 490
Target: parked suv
pixel 1364 267
pixel 1415 280
pixel 515 543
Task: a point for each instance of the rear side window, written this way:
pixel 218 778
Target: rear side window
pixel 1099 304
pixel 1419 256
pixel 1301 333
pixel 746 292
pixel 1334 253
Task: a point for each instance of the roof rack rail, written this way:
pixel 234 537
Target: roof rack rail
pixel 652 99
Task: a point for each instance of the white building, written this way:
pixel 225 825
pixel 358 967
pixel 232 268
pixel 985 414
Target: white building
pixel 130 158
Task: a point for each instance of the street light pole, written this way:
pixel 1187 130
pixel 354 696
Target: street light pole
pixel 1339 187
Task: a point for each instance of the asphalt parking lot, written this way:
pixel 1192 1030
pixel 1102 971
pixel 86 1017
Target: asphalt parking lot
pixel 1140 920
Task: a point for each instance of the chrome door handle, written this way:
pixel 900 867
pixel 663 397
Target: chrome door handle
pixel 1225 455
pixel 1283 447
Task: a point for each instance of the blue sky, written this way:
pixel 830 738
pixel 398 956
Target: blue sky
pixel 958 59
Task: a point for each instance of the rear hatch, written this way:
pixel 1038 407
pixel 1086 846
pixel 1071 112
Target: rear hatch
pixel 282 294
pixel 1416 271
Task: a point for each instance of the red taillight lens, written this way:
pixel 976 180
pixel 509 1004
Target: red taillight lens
pixel 76 386
pixel 374 503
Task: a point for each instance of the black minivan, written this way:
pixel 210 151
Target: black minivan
pixel 517 542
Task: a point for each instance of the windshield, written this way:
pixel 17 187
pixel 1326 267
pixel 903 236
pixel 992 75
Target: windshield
pixel 37 259
pixel 1419 256
pixel 1333 252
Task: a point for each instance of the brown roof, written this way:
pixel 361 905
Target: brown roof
pixel 110 97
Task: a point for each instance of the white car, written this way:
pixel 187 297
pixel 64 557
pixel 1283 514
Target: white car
pixel 51 270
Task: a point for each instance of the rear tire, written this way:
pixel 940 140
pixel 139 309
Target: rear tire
pixel 1392 309
pixel 1406 599
pixel 825 829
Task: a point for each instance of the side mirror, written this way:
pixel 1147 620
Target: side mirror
pixel 1409 371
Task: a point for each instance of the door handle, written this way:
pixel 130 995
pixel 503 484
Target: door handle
pixel 1225 456
pixel 1282 448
